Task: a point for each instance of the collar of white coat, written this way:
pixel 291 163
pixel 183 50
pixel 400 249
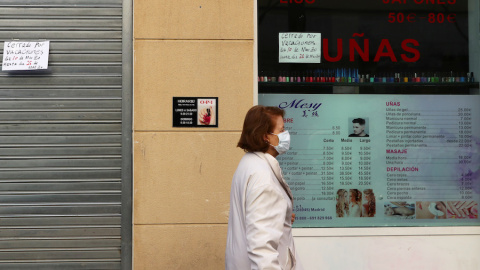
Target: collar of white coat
pixel 273 162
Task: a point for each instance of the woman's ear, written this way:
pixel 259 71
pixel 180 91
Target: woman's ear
pixel 265 137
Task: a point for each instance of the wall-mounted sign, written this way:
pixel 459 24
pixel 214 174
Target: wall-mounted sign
pixel 299 47
pixel 195 112
pixel 382 160
pixel 28 55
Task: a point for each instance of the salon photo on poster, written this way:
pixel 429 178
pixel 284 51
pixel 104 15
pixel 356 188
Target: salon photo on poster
pixel 352 202
pixel 447 209
pixel 399 210
pixel 207 112
pixel 358 127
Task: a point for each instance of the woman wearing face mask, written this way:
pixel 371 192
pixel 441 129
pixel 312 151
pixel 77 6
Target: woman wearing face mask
pixel 261 203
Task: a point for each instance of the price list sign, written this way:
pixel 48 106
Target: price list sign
pixel 382 160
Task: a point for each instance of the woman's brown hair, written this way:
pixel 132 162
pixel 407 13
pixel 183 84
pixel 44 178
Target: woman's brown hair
pixel 370 205
pixel 356 196
pixel 258 122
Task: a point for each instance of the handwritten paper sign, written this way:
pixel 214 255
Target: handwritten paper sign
pixel 299 47
pixel 19 55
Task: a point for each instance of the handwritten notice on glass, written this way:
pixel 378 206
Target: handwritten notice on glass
pixel 299 47
pixel 31 55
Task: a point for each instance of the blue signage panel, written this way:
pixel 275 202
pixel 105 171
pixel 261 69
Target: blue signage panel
pixel 382 160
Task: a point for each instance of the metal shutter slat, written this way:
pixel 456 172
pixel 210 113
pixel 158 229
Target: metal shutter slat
pixel 52 221
pixel 57 187
pixel 61 105
pixel 68 3
pixel 59 152
pixel 59 175
pixel 51 94
pixel 53 13
pixel 59 24
pixel 67 243
pixel 49 210
pixel 62 265
pixel 22 116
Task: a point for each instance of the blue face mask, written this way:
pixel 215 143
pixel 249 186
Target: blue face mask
pixel 283 142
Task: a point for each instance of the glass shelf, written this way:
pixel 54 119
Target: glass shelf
pixel 450 88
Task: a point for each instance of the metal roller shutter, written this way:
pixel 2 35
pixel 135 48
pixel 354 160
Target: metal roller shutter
pixel 65 171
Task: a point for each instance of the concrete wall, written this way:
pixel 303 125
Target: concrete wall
pixel 182 176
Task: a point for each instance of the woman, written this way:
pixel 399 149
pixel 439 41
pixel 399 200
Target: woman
pixel 369 207
pixel 342 205
pixel 261 203
pixel 355 198
pixel 400 209
pixel 347 204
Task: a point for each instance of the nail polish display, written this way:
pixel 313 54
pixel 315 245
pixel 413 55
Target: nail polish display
pixel 352 75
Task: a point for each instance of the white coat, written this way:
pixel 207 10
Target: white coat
pixel 259 226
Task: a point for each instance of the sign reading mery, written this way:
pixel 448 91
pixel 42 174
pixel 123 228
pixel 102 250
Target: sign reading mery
pixel 309 108
pixel 31 55
pixel 299 47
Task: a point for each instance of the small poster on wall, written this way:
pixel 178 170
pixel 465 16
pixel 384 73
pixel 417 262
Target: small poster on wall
pixel 195 112
pixel 25 55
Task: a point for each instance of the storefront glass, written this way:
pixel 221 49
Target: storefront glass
pixel 382 105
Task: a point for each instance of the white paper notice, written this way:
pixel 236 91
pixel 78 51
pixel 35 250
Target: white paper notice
pixel 299 47
pixel 31 55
